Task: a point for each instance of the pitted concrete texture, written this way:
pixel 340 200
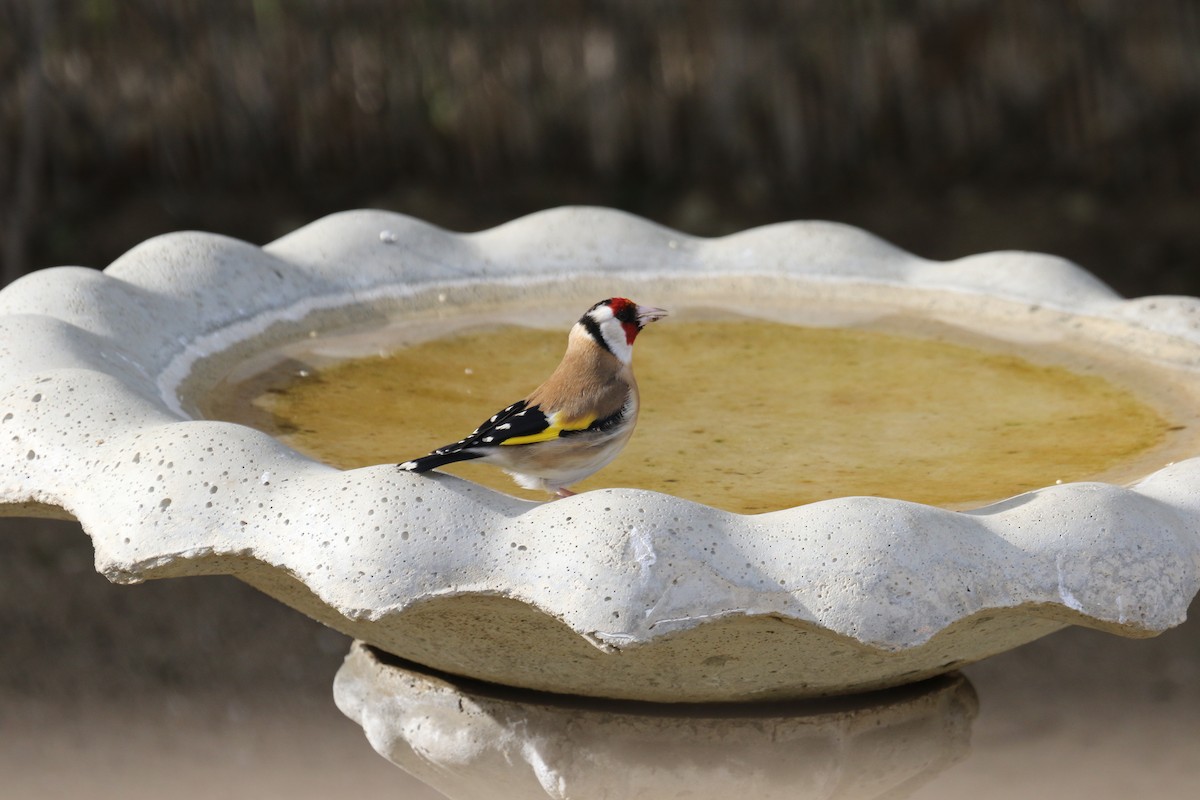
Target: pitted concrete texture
pixel 614 593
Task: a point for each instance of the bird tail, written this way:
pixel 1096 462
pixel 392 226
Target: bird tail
pixel 437 459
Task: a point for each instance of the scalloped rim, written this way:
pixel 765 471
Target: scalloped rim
pixel 91 424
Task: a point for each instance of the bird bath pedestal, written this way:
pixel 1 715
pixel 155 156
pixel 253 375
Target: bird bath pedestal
pixel 617 593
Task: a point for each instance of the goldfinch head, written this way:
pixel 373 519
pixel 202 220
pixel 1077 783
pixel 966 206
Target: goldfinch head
pixel 614 323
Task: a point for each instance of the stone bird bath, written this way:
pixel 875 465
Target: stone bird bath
pixel 615 593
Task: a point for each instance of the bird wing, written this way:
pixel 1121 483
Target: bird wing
pixel 518 421
pixel 522 423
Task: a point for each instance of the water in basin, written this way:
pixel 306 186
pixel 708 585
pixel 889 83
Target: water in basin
pixel 747 415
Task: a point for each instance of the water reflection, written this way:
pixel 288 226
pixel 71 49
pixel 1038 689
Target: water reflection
pixel 472 740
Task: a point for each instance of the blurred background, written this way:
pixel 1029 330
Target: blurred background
pixel 947 127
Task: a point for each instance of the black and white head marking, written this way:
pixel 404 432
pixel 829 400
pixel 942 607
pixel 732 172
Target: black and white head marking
pixel 613 324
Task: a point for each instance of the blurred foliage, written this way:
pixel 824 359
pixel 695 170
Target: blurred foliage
pixel 253 117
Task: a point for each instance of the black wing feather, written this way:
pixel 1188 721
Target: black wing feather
pixel 519 419
pixel 435 460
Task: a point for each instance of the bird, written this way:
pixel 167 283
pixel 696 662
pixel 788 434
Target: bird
pixel 574 423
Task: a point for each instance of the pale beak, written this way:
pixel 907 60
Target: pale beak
pixel 646 315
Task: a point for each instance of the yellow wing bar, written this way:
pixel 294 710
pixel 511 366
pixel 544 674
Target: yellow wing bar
pixel 557 425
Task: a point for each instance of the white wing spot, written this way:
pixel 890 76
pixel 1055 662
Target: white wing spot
pixel 488 438
pixel 409 465
pixel 503 427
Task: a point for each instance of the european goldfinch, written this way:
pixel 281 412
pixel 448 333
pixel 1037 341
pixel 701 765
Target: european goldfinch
pixel 574 423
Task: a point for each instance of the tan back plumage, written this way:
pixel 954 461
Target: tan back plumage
pixel 589 379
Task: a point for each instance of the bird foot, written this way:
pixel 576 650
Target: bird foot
pixel 563 493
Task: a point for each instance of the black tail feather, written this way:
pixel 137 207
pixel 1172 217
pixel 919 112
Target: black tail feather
pixel 435 460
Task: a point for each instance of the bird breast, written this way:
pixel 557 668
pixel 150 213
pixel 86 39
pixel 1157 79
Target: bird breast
pixel 587 382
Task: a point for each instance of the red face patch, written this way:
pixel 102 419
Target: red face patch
pixel 625 312
pixel 631 331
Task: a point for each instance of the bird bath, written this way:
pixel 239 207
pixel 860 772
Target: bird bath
pixel 105 397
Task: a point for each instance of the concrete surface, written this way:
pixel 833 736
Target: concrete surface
pixel 649 596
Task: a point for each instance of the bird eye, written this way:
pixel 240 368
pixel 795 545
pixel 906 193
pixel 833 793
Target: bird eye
pixel 624 310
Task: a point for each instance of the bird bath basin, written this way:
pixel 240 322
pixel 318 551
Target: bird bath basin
pixel 743 414
pixel 628 593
